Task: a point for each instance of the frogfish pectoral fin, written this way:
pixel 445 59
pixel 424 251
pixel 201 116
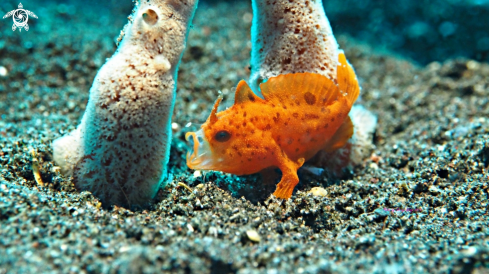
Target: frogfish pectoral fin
pixel 341 136
pixel 289 178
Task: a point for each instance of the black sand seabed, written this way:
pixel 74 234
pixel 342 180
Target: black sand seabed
pixel 430 165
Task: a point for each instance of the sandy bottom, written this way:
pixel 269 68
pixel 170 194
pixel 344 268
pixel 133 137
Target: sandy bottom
pixel 417 204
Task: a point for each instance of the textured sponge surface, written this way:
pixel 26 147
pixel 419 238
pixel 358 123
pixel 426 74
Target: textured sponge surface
pixel 120 150
pixel 290 37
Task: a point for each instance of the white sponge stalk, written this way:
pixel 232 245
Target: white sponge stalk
pixel 291 37
pixel 120 150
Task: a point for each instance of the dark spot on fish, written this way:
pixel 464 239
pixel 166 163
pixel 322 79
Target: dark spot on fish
pixel 295 114
pixel 268 127
pixel 251 97
pixel 311 116
pixel 310 98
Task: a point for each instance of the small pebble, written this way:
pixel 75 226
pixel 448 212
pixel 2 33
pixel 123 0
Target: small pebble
pixel 253 236
pixel 318 191
pixel 3 71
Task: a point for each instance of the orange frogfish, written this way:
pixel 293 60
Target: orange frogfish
pixel 301 114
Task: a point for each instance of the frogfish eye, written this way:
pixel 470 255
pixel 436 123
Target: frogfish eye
pixel 222 136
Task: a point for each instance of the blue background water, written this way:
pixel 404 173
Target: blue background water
pixel 423 30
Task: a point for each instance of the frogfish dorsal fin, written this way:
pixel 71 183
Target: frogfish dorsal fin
pixel 244 94
pixel 305 88
pixel 347 79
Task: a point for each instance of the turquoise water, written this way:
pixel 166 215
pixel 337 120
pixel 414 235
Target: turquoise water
pixel 423 31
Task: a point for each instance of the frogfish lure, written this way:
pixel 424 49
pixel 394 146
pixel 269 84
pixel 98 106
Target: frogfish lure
pixel 301 114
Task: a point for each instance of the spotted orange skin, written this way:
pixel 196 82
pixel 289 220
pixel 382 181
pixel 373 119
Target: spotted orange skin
pixel 300 114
